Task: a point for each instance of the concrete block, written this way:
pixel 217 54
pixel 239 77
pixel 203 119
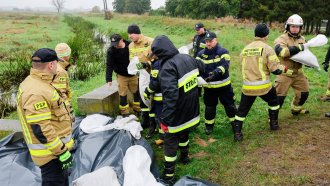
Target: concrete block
pixel 104 100
pixel 10 125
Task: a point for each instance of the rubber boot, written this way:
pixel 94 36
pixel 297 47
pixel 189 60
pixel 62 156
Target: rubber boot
pixel 327 114
pixel 168 175
pixel 145 120
pixel 273 119
pixel 208 128
pixel 152 127
pixel 237 130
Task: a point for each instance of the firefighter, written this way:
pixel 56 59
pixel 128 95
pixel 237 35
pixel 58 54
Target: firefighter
pixel 178 80
pixel 199 39
pixel 62 80
pixel 216 60
pixel 118 60
pixel 140 47
pixel 326 67
pixel 153 91
pixel 287 45
pixel 45 119
pixel 258 61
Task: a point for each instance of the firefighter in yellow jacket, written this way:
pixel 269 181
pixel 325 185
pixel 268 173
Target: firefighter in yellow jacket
pixel 287 45
pixel 258 61
pixel 140 47
pixel 62 80
pixel 45 119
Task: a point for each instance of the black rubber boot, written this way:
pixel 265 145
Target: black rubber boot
pixel 152 127
pixel 208 128
pixel 273 119
pixel 168 175
pixel 327 114
pixel 145 120
pixel 237 130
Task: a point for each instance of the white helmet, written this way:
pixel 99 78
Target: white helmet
pixel 295 19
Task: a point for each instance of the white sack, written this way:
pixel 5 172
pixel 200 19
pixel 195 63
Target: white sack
pixel 136 165
pixel 184 50
pixel 104 176
pixel 201 81
pixel 91 123
pixel 132 66
pixel 306 57
pixel 144 80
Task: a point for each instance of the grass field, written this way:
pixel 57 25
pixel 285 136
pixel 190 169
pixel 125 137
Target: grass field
pixel 298 154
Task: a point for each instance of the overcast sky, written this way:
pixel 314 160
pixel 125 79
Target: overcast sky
pixel 69 4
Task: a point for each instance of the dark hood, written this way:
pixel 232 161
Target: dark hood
pixel 163 47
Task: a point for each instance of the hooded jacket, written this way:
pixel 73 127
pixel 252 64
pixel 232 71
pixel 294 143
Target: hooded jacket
pixel 178 80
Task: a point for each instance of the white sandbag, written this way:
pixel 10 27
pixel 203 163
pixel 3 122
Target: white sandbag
pixel 104 176
pixel 93 122
pixel 132 66
pixel 136 165
pixel 317 41
pixel 306 57
pixel 184 50
pixel 201 81
pixel 144 80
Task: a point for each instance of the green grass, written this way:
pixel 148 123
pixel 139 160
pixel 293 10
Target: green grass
pixel 221 161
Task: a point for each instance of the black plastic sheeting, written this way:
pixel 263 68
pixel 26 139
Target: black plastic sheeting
pixel 93 151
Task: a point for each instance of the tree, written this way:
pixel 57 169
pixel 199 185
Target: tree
pixel 137 6
pixel 96 9
pixel 119 5
pixel 59 4
pixel 107 13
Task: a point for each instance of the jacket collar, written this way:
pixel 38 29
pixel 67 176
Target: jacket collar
pixel 141 39
pixel 64 64
pixel 43 76
pixel 260 39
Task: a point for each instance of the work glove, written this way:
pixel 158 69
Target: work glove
pixel 146 94
pixel 66 160
pixel 143 65
pixel 215 73
pixel 301 47
pixel 325 66
pixel 163 127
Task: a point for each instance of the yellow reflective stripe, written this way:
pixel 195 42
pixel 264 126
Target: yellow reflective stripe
pixel 138 50
pixel 54 144
pixel 282 53
pixel 202 45
pixel 158 98
pixel 40 152
pixel 169 175
pixel 257 87
pixel 161 131
pixel 145 109
pixel 300 48
pixel 154 73
pixel 243 68
pixel 295 108
pixel 261 69
pixel 59 85
pixel 170 159
pixel 185 125
pixel 123 107
pixel 209 122
pixel 210 61
pixel 210 85
pixel 184 144
pixel 38 117
pixel 273 58
pixel 328 92
pixel 136 103
pixel 55 96
pixel 21 118
pixel 222 69
pixel 239 118
pixel 188 77
pixel 152 115
pixel 274 107
pixel 151 91
pixel 226 56
pixel 70 144
pixel 232 119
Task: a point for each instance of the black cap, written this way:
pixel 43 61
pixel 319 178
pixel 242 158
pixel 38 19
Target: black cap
pixel 261 30
pixel 133 29
pixel 198 26
pixel 210 36
pixel 115 38
pixel 44 55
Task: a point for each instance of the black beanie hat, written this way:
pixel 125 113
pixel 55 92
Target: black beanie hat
pixel 261 30
pixel 133 29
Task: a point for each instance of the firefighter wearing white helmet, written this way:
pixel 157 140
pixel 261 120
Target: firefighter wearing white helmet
pixel 287 45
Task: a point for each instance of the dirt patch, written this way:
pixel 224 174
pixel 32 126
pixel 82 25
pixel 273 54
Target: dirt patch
pixel 13 31
pixel 299 153
pixel 201 154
